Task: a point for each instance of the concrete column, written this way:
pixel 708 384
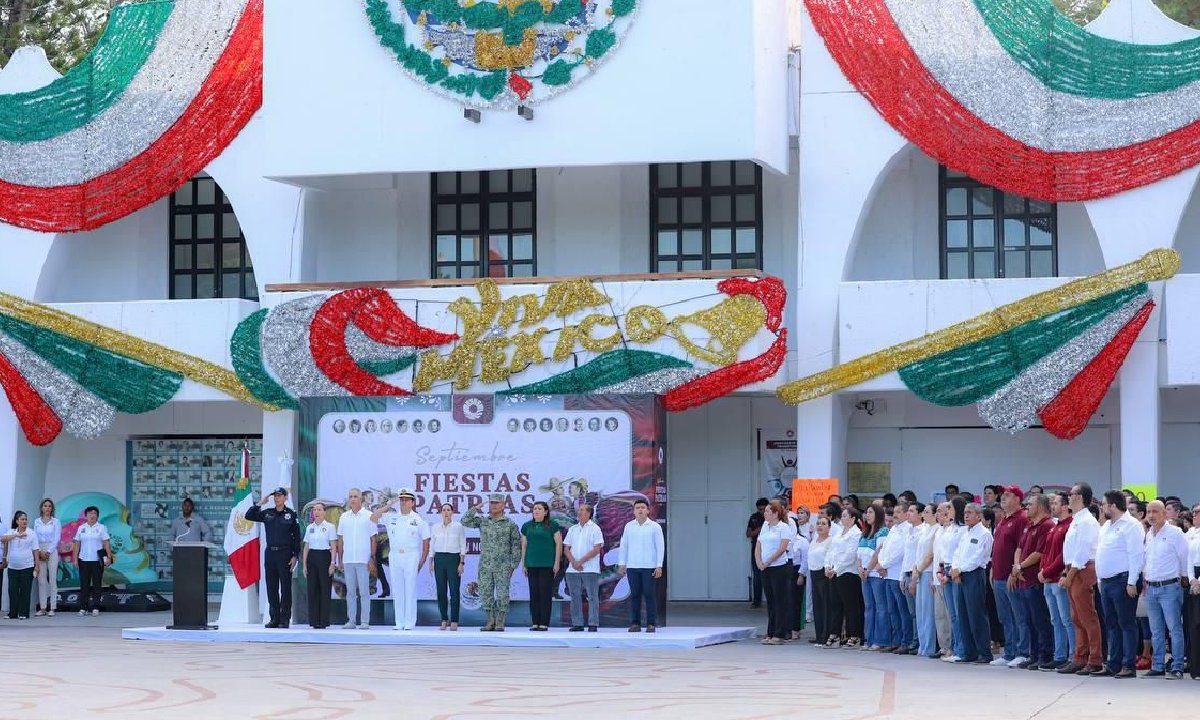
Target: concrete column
pixel 1128 225
pixel 845 148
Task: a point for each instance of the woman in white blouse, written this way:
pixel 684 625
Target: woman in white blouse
pixel 49 534
pixel 822 587
pixel 924 527
pixel 448 543
pixel 846 616
pixel 20 556
pixel 952 534
pixel 771 556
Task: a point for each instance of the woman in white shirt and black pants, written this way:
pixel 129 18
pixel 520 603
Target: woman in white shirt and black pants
pixel 448 543
pixel 49 534
pixel 20 555
pixel 317 564
pixel 771 557
pixel 90 551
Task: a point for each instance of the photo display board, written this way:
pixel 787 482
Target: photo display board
pixel 163 471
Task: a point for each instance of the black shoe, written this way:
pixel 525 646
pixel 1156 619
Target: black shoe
pixel 593 628
pixel 273 624
pixel 1102 672
pixel 1040 666
pixel 1126 673
pixel 1069 669
pixel 1025 665
pixel 285 624
pixel 556 596
pixel 1174 675
pixel 1155 673
pixel 576 628
pixel 755 605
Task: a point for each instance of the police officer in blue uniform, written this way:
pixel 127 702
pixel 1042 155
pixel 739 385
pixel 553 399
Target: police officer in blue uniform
pixel 283 549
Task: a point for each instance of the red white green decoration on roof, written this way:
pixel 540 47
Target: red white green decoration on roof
pixel 1014 94
pixel 500 53
pixel 572 337
pixel 169 85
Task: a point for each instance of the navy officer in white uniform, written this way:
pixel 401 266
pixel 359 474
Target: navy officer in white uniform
pixel 408 549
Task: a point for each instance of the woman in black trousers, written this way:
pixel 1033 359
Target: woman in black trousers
pixel 20 556
pixel 847 608
pixel 771 557
pixel 541 554
pixel 318 566
pixel 822 587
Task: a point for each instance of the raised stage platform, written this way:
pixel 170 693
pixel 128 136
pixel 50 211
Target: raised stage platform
pixel 670 638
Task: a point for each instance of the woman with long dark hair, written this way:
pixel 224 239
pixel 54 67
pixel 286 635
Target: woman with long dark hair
pixel 877 619
pixel 49 533
pixel 21 558
pixel 449 547
pixel 841 567
pixel 952 536
pixel 822 586
pixel 771 557
pixel 541 554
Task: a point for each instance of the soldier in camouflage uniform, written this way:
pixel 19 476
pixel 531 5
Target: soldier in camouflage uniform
pixel 499 556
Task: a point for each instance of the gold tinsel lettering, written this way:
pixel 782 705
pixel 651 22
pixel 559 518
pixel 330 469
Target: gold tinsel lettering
pixel 492 361
pixel 527 350
pixel 645 324
pixel 730 325
pixel 459 366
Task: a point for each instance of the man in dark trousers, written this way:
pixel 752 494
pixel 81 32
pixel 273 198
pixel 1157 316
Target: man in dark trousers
pixel 283 548
pixel 753 526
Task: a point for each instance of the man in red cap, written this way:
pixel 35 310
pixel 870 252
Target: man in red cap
pixel 1004 549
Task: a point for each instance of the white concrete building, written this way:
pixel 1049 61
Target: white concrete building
pixel 729 150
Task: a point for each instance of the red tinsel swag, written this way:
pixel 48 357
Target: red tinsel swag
pixel 520 85
pixel 876 57
pixel 720 383
pixel 226 102
pixel 375 313
pixel 1067 414
pixel 34 414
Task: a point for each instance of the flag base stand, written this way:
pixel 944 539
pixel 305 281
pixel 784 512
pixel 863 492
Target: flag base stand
pixel 238 606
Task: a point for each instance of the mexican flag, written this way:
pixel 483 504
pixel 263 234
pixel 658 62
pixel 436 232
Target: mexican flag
pixel 241 535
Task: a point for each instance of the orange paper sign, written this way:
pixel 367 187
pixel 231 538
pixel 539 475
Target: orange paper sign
pixel 812 492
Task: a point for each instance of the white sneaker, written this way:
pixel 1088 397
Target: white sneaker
pixel 1015 662
pixel 348 626
pixel 999 662
pixel 82 613
pixel 95 613
pixel 50 614
pixel 952 659
pixel 40 613
pixel 364 626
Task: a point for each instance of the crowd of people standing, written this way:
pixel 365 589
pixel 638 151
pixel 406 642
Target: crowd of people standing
pixel 1066 581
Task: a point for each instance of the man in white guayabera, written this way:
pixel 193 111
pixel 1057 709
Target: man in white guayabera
pixel 356 559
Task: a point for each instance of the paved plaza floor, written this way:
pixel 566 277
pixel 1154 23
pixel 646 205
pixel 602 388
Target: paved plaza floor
pixel 80 668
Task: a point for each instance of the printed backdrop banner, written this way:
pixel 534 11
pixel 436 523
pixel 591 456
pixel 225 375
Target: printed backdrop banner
pixel 563 450
pixel 777 462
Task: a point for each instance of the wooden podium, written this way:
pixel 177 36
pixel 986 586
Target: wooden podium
pixel 189 561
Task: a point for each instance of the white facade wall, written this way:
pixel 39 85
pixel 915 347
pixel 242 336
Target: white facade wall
pixel 331 183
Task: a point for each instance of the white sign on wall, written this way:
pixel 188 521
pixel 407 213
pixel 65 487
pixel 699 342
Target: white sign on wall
pixel 525 453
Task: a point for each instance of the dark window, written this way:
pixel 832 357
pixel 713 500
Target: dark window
pixel 988 233
pixel 209 258
pixel 484 224
pixel 705 216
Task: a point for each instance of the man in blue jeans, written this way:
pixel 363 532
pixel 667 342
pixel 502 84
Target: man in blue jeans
pixel 1034 614
pixel 641 558
pixel 1004 548
pixel 1119 559
pixel 969 571
pixel 1166 567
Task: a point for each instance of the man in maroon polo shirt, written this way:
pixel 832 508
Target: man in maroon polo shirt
pixel 1057 599
pixel 1033 612
pixel 1004 547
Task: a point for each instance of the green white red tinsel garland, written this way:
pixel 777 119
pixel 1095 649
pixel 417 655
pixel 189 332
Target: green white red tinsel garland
pixel 106 140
